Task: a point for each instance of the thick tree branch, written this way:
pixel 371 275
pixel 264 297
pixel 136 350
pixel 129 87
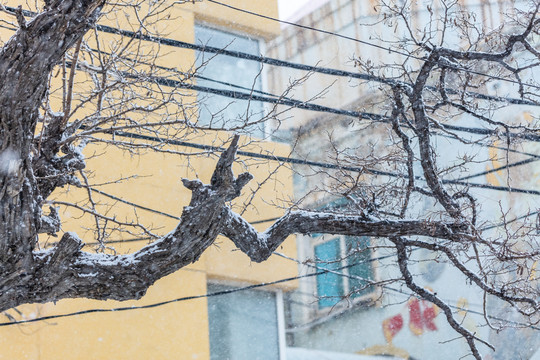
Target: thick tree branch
pixel 259 246
pixel 67 272
pixel 422 130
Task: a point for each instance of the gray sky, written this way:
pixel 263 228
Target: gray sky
pixel 289 7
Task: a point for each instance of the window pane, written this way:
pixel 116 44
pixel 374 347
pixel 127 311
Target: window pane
pixel 221 111
pixel 243 325
pixel 329 286
pixel 362 267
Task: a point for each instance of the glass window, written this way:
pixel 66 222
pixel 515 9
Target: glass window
pixel 231 74
pixel 350 256
pixel 361 267
pixel 329 285
pixel 243 325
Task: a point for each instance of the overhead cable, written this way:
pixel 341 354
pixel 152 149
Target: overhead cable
pixel 238 289
pixel 238 95
pixel 408 55
pixel 276 62
pixel 290 160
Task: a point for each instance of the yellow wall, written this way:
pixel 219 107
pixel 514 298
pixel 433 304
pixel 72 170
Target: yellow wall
pixel 178 330
pixel 232 19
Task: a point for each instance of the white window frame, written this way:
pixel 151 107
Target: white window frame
pixel 280 310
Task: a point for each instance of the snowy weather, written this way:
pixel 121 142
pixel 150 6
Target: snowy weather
pixel 270 180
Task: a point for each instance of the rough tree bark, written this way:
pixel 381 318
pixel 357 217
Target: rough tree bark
pixel 67 272
pixel 28 275
pixel 25 64
pixel 32 167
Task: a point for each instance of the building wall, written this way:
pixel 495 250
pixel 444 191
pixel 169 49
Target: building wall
pixel 178 330
pixel 390 324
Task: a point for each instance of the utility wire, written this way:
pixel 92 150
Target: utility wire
pixel 288 101
pixel 286 98
pixel 297 66
pixel 279 100
pixel 537 213
pixel 503 167
pixel 315 107
pixel 282 100
pixel 134 204
pixel 161 303
pixel 319 108
pixel 244 288
pixel 252 90
pixel 283 63
pixel 367 43
pixel 161 212
pixel 271 100
pixel 309 68
pixel 317 164
pixel 300 104
pixel 315 29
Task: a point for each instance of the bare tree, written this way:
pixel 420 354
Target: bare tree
pixel 40 151
pixel 446 99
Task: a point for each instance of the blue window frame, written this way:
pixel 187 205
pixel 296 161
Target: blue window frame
pixel 350 256
pixel 329 285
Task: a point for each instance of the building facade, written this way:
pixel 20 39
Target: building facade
pixel 247 324
pixel 336 315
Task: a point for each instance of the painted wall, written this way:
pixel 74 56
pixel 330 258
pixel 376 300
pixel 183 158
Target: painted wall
pixel 178 330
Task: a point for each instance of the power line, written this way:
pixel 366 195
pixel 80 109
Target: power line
pixel 134 204
pixel 291 102
pixel 302 104
pixel 503 167
pixel 288 101
pixel 244 288
pixel 282 100
pixel 159 212
pixel 279 100
pixel 283 63
pixel 161 303
pixel 319 108
pixel 328 71
pixel 315 29
pixel 316 163
pixel 315 107
pixel 367 43
pixel 537 213
pixel 271 100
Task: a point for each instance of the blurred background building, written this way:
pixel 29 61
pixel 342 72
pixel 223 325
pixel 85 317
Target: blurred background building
pixel 248 324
